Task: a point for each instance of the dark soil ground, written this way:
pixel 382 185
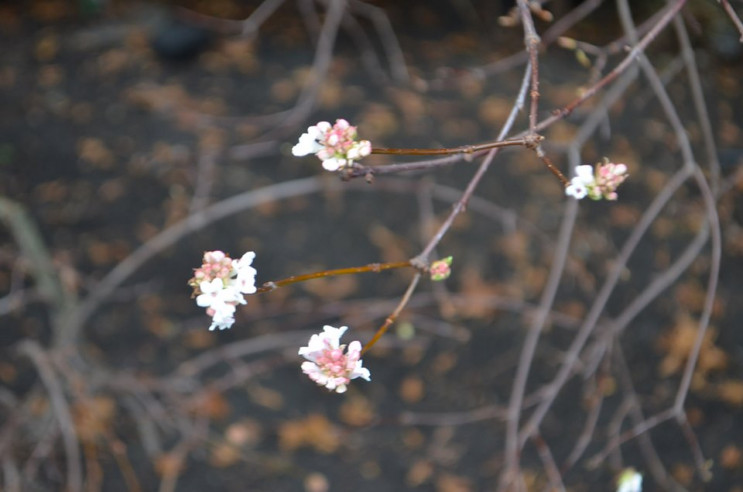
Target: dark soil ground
pixel 108 137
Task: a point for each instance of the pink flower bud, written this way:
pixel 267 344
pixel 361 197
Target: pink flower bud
pixel 441 269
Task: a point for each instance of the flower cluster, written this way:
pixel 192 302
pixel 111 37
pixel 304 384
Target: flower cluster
pixel 219 285
pixel 336 146
pixel 598 184
pixel 327 362
pixel 441 269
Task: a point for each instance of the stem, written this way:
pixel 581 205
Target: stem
pixel 465 149
pixel 393 317
pixel 531 40
pixel 372 267
pixel 548 162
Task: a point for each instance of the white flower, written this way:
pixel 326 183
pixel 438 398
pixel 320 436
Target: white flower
pixel 328 365
pixel 629 481
pixel 330 337
pixel 577 188
pixel 245 273
pixel 211 292
pixel 310 142
pixel 223 319
pixel 359 150
pixel 585 173
pixel 307 145
pixel 333 164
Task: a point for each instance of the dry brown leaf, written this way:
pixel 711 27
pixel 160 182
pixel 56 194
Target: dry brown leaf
pixel 494 110
pixel 678 342
pixel 473 285
pixel 731 457
pixel 169 464
pixel 377 122
pixel 731 392
pixel 316 482
pixel 622 215
pixel 47 47
pixel 412 389
pixel 314 431
pixel 266 397
pixel 357 411
pixel 246 433
pixel 690 295
pixel 92 417
pixel 199 339
pixel 95 152
pixel 453 483
pixel 8 372
pixel 419 473
pixel 210 404
pixel 411 104
pixel 413 438
pixel 224 454
pixel 683 473
pixel 332 288
pixel 443 363
pixel 392 247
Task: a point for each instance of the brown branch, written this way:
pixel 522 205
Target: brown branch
pixel 372 267
pixel 393 317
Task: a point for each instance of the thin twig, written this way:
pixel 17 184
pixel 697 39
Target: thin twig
pixel 650 454
pixel 461 204
pixel 61 411
pixel 372 267
pixel 246 27
pixel 395 55
pixel 393 317
pixel 31 244
pixel 553 473
pixel 733 17
pixel 561 113
pixel 531 40
pixel 700 105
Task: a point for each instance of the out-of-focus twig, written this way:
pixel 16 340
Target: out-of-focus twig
pixel 61 411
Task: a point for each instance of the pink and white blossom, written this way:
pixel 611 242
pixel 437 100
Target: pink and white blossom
pixel 597 184
pixel 335 145
pixel 329 364
pixel 220 284
pixel 441 269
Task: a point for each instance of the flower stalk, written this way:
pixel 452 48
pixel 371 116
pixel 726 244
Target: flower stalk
pixel 371 267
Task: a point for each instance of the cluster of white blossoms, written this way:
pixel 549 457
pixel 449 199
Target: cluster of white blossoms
pixel 599 184
pixel 336 146
pixel 220 284
pixel 329 364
